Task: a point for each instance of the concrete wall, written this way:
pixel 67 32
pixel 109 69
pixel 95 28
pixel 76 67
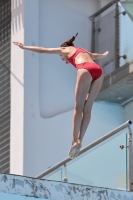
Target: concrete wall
pixel 14 186
pixel 41 133
pixel 16 197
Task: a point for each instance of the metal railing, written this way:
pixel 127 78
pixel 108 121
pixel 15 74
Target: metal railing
pixel 115 44
pixel 95 143
pixel 103 9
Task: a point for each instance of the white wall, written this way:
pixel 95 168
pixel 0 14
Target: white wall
pixel 47 140
pixel 17 88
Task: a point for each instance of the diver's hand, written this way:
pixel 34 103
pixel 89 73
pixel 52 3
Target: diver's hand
pixel 19 44
pixel 106 53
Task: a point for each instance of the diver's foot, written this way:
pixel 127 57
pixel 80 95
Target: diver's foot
pixel 75 149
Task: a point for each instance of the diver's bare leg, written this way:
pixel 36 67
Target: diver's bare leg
pixel 83 83
pixel 94 90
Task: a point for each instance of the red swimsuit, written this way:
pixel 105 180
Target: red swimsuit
pixel 93 68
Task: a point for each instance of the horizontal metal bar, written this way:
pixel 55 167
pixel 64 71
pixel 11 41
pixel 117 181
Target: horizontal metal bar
pixel 54 167
pixel 125 125
pixel 127 101
pixel 108 135
pixel 103 9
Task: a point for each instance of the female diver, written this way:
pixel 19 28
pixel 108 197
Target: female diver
pixel 89 81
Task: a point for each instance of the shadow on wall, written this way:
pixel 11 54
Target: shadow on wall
pixel 17 15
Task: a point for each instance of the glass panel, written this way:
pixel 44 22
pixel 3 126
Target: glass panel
pixel 126 39
pixel 105 36
pixel 104 165
pixel 105 39
pixel 55 175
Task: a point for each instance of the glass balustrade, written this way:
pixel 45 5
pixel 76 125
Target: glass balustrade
pixel 125 36
pixel 105 165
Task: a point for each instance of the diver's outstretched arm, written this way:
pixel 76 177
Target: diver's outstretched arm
pixel 96 56
pixel 59 50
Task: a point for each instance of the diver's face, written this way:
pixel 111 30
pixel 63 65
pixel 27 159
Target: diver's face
pixel 64 58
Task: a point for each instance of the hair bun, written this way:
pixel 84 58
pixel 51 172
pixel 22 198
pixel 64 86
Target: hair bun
pixel 76 35
pixel 69 42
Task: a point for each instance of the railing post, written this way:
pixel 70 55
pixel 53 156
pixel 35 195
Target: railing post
pixel 116 47
pixel 93 36
pixel 65 179
pixel 130 160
